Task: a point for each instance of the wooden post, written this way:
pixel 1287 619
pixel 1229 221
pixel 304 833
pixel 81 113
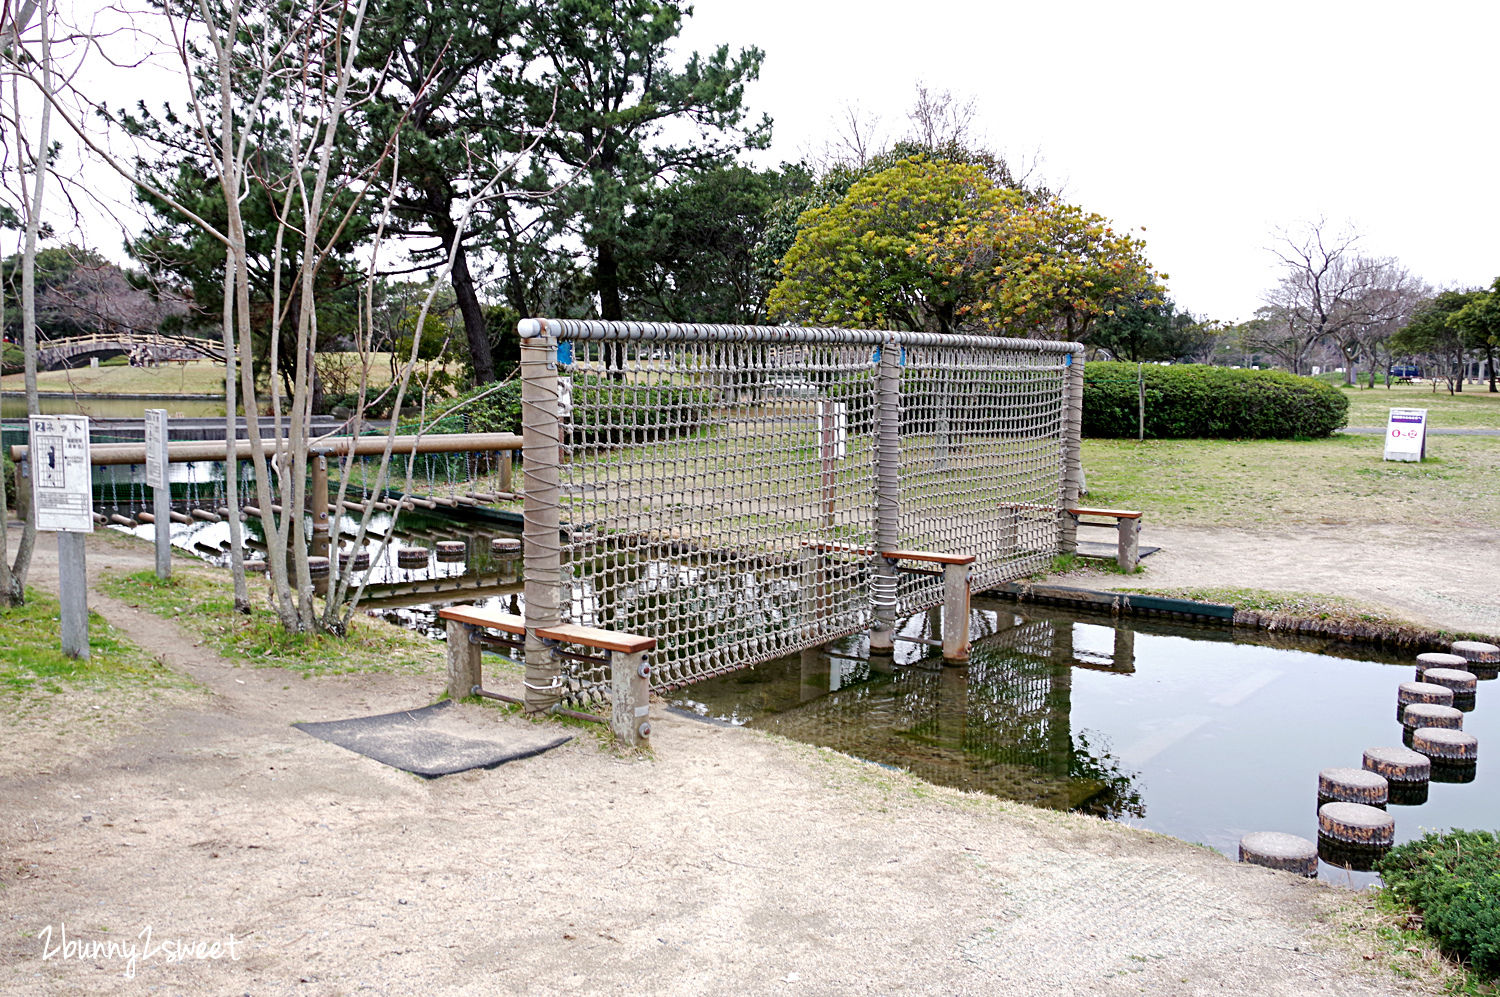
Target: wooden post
pixel 630 677
pixel 956 612
pixel 541 445
pixel 507 470
pixel 463 662
pixel 1072 485
pixel 1128 550
pixel 884 581
pixel 318 505
pixel 73 595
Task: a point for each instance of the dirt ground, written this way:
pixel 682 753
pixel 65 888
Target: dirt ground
pixel 1446 582
pixel 726 861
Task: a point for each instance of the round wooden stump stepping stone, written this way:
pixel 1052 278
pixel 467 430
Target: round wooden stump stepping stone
pixel 356 561
pixel 317 567
pixel 1455 679
pixel 1430 715
pixel 505 547
pixel 452 550
pixel 257 566
pixel 1398 765
pixel 1483 659
pixel 1356 824
pixel 1421 692
pixel 1276 850
pixel 412 557
pixel 1438 659
pixel 1350 785
pixel 1445 744
pixel 1406 773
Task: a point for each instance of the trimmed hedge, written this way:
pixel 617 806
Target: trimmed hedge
pixel 1187 401
pixel 1453 879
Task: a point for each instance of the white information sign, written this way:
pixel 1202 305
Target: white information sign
pixel 1406 434
pixel 156 447
pixel 62 486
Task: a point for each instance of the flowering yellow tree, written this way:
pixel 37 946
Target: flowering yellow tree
pixel 937 246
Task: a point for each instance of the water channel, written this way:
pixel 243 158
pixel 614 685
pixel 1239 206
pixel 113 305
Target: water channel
pixel 1200 732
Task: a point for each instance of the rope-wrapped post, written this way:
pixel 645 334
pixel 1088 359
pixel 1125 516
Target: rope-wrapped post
pixel 1067 525
pixel 541 544
pixel 887 495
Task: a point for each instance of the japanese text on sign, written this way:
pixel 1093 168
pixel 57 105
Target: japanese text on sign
pixel 62 487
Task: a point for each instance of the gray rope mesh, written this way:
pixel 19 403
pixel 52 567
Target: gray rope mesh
pixel 726 489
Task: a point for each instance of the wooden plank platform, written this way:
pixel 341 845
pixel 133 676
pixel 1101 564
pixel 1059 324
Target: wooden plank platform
pixel 608 640
pixel 478 616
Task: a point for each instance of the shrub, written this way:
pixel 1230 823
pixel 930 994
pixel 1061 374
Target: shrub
pixel 1195 401
pixel 12 359
pixel 1453 880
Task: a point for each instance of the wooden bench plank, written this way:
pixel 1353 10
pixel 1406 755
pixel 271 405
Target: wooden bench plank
pixel 607 640
pixel 931 557
pixel 479 616
pixel 1115 513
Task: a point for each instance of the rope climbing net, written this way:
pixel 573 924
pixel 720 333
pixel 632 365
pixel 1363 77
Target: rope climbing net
pixel 728 489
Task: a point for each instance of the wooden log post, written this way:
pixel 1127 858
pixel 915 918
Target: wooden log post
pixel 956 611
pixel 630 678
pixel 463 662
pixel 317 503
pixel 1128 552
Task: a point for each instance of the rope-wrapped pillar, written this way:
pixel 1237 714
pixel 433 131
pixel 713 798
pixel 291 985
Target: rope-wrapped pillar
pixel 541 544
pixel 887 495
pixel 1067 526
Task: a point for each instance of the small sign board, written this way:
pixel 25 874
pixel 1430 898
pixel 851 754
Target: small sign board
pixel 156 447
pixel 62 486
pixel 1406 434
pixel 564 398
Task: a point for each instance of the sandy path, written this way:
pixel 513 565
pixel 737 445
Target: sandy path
pixel 729 862
pixel 1447 582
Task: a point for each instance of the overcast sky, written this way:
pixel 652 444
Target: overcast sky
pixel 1211 124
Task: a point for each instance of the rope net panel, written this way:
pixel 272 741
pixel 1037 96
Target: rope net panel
pixel 981 462
pixel 726 489
pixel 695 478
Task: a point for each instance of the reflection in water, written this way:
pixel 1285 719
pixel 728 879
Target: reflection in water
pixel 1000 724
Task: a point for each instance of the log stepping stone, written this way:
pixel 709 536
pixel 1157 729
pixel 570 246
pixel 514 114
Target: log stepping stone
pixel 1421 692
pixel 1406 773
pixel 1465 684
pixel 317 567
pixel 1276 850
pixel 1351 785
pixel 354 561
pixel 505 547
pixel 1428 715
pixel 452 550
pixel 1483 659
pixel 412 557
pixel 1356 824
pixel 1439 659
pixel 257 566
pixel 1445 744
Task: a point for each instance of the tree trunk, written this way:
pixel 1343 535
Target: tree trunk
pixel 468 305
pixel 607 282
pixel 1489 359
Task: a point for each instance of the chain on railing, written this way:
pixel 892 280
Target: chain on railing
pixel 727 489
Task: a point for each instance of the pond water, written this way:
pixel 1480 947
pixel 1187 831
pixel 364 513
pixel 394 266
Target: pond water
pixel 1196 732
pixel 1199 732
pixel 13 406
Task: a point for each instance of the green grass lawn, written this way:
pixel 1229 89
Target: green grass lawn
pixel 1472 408
pixel 203 603
pixel 32 662
pixel 1277 482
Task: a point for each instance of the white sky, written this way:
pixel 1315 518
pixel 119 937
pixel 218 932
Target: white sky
pixel 1212 124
